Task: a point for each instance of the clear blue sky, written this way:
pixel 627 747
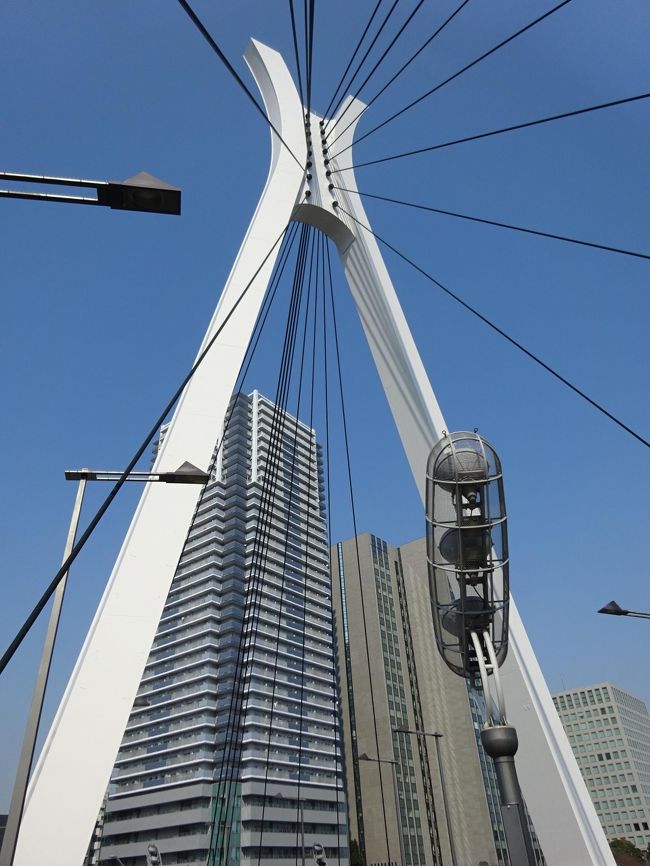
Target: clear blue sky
pixel 102 311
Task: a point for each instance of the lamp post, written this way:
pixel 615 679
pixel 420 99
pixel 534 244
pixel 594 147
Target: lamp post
pixel 615 610
pixel 142 192
pixel 185 474
pixel 437 737
pixel 365 757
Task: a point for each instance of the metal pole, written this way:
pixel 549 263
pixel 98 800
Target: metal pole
pixel 393 765
pixel 500 743
pixel 452 847
pixel 31 729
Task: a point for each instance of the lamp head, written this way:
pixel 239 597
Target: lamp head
pixel 613 609
pixel 467 548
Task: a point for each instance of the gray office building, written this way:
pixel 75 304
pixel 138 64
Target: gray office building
pixel 609 732
pixel 231 754
pixel 407 808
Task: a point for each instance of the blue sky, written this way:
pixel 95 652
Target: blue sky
pixel 102 311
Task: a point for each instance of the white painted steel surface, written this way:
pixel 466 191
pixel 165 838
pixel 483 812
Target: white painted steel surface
pixel 78 755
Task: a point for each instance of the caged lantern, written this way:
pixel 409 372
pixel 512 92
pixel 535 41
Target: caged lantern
pixel 467 549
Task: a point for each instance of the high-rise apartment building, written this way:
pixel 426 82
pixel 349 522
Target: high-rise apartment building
pixel 231 754
pixel 407 808
pixel 609 732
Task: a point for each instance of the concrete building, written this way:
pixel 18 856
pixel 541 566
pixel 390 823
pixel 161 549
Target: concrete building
pixel 231 753
pixel 411 688
pixel 609 732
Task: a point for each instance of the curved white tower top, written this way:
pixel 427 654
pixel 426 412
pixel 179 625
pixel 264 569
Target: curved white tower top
pixel 73 771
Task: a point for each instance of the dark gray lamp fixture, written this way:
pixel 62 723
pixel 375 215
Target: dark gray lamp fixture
pixel 185 474
pixel 613 609
pixel 142 192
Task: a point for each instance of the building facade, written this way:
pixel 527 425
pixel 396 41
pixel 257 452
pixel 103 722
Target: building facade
pixel 392 680
pixel 609 732
pixel 232 750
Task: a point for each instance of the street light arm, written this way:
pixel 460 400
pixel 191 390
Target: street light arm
pixel 142 192
pixel 43 178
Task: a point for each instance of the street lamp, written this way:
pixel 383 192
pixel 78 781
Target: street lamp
pixel 468 564
pixel 365 757
pixel 615 610
pixel 185 474
pixel 437 737
pixel 142 192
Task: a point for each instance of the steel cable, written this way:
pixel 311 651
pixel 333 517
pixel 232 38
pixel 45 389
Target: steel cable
pixel 503 333
pixel 289 503
pixel 549 119
pixel 271 293
pixel 502 225
pixel 232 750
pixel 295 50
pixel 377 64
pixel 354 54
pixel 364 58
pixel 356 543
pixel 457 74
pixel 79 545
pixel 401 69
pixel 231 69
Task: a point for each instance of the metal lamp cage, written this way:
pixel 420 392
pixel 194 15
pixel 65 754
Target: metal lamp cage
pixel 467 548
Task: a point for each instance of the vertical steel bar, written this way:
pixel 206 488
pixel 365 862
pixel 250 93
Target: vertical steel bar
pixel 31 729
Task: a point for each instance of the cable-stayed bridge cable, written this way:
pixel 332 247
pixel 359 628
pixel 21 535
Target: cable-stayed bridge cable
pixel 365 56
pixel 530 123
pixel 379 62
pixel 310 52
pixel 351 60
pixel 460 72
pixel 83 538
pixel 502 225
pixel 229 769
pixel 401 69
pixel 503 333
pixel 296 51
pixel 356 544
pixel 231 69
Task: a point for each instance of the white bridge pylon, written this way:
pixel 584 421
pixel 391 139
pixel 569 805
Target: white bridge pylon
pixel 73 771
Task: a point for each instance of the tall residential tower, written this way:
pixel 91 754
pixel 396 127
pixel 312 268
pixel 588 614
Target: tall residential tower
pixel 231 752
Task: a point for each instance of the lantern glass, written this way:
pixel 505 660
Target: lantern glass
pixel 467 548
